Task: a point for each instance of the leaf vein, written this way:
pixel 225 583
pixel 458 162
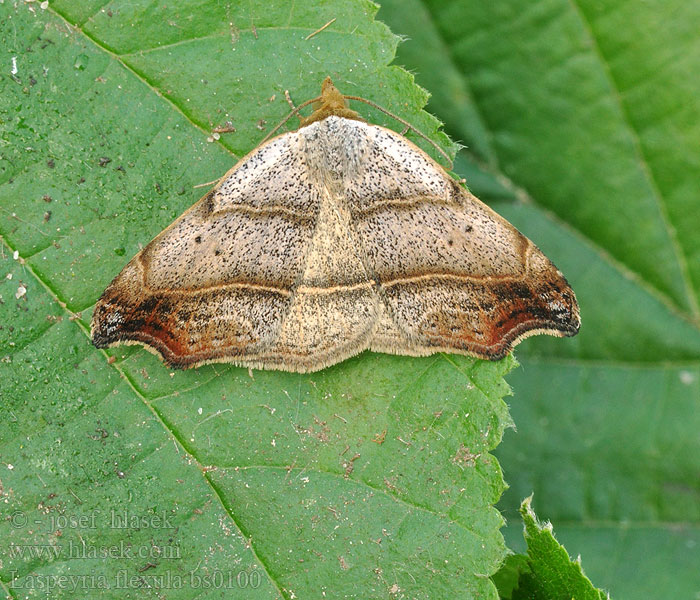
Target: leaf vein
pixel 643 162
pixel 168 429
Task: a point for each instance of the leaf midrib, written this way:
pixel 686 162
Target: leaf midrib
pixel 643 162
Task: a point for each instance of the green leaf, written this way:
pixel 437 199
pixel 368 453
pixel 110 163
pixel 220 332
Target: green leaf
pixel 120 478
pixel 508 576
pixel 546 572
pixel 581 123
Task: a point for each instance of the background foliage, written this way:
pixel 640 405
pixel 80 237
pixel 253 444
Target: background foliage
pixel 580 122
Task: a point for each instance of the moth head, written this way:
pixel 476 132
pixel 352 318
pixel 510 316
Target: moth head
pixel 331 102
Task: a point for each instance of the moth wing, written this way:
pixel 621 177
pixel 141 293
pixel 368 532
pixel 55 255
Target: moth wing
pixel 262 272
pixel 218 282
pixel 453 275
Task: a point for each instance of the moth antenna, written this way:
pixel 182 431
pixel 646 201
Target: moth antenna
pixel 406 124
pixel 293 112
pixel 207 184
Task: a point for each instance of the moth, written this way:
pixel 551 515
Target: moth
pixel 326 241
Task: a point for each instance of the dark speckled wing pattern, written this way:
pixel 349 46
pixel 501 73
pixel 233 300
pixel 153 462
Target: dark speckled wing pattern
pixel 324 242
pixel 454 275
